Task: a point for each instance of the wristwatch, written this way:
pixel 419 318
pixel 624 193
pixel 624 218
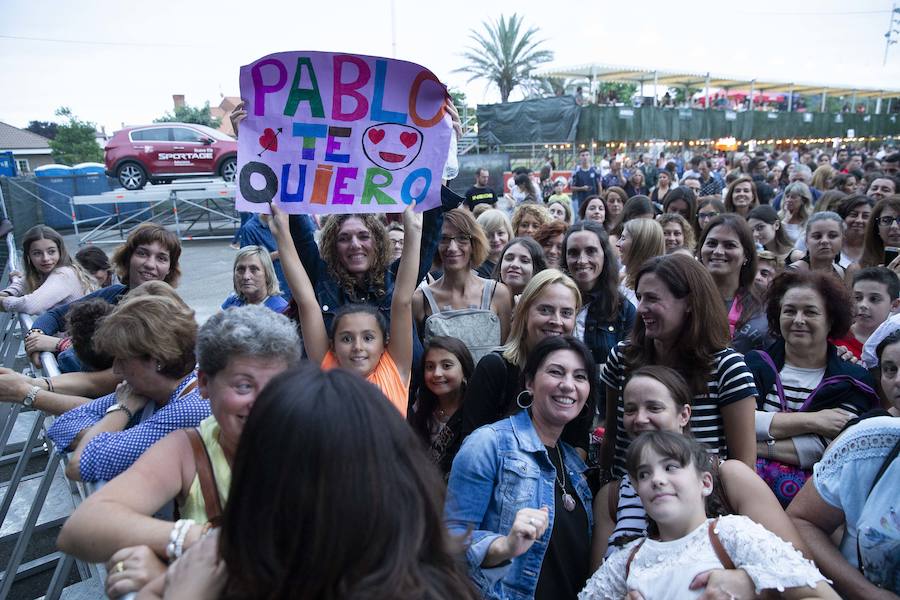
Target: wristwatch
pixel 118 406
pixel 28 400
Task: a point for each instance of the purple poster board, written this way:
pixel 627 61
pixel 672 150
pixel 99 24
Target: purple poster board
pixel 328 132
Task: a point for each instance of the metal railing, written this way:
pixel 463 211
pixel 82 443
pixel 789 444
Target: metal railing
pixel 13 328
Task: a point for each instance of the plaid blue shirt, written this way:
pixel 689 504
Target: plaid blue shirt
pixel 109 453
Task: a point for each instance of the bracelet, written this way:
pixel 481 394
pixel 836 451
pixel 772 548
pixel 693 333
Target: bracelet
pixel 63 344
pixel 769 445
pixel 175 547
pixel 35 330
pixel 49 383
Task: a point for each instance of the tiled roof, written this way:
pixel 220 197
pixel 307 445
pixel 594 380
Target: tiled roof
pixel 13 138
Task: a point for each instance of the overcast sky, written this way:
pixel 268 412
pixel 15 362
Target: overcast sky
pixel 120 62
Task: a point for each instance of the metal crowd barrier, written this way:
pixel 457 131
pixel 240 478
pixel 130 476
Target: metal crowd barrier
pixel 13 328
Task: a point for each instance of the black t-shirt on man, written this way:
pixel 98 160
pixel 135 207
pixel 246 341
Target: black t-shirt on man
pixel 480 195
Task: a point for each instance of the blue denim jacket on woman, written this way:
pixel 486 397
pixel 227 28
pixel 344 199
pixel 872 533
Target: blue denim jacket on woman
pixel 500 469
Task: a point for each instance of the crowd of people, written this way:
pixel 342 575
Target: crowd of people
pixel 678 380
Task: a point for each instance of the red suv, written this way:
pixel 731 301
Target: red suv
pixel 162 152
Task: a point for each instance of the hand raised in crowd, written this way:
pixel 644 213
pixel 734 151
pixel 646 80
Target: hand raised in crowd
pixel 830 421
pixel 412 221
pixel 529 526
pixel 199 573
pixel 130 569
pixel 278 221
pixel 454 116
pixel 237 115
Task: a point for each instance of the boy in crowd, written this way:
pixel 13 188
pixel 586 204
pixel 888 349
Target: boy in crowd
pixel 876 295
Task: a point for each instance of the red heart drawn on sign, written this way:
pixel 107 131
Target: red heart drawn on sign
pixel 376 135
pixel 409 139
pixel 268 140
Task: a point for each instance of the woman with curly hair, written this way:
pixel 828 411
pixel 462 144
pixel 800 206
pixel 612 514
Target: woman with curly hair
pixel 677 232
pixel 528 218
pixel 354 265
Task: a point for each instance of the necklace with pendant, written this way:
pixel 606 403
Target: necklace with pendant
pixel 567 499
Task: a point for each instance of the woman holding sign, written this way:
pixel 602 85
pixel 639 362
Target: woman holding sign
pixel 353 264
pixel 359 336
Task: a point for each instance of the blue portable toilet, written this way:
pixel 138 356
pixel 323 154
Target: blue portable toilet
pixel 91 180
pixel 7 164
pixel 56 186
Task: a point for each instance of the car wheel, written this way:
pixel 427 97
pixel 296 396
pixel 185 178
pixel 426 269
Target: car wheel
pixel 228 169
pixel 132 176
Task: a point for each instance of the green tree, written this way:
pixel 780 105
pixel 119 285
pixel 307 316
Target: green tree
pixel 75 141
pixel 198 115
pixel 43 128
pixel 614 91
pixel 505 53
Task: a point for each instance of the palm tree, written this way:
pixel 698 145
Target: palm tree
pixel 505 54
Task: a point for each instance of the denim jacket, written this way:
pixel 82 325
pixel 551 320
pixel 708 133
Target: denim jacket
pixel 502 468
pixel 601 335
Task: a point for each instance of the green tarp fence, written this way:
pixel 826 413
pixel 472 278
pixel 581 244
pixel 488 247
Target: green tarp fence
pixel 646 123
pixel 561 120
pixel 544 119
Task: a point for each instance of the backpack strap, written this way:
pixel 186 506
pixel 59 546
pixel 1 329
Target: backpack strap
pixel 488 294
pixel 779 388
pixel 892 455
pixel 631 556
pixel 613 499
pixel 430 297
pixel 717 546
pixel 207 478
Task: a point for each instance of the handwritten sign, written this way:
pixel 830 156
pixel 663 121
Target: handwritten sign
pixel 340 133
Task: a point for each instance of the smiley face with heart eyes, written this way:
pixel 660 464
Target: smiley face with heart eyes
pixel 392 146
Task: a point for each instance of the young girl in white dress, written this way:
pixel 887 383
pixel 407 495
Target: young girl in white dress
pixel 673 477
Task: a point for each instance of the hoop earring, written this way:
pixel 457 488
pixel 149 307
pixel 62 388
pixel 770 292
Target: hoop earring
pixel 519 400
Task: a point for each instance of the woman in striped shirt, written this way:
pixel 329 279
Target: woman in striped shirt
pixel 682 324
pixel 659 399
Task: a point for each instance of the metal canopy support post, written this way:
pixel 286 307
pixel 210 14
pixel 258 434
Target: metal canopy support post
pixel 853 103
pixel 878 103
pixel 655 88
pixel 752 90
pixel 791 99
pixel 824 95
pixel 707 89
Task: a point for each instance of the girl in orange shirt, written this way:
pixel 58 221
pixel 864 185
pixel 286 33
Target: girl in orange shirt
pixel 360 340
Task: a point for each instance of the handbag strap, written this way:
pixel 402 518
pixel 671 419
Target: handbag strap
pixel 207 478
pixel 714 540
pixel 892 455
pixel 826 382
pixel 717 546
pixel 631 556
